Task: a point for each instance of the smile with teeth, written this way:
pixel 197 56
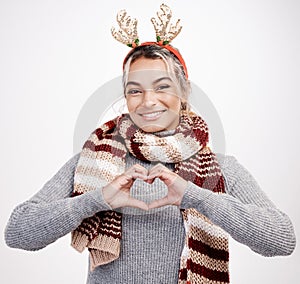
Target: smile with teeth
pixel 152 115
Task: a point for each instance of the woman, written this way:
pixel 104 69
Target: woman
pixel 146 195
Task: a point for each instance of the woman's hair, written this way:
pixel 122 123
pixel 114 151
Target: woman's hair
pixel 174 66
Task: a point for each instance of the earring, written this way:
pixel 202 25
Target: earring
pixel 183 105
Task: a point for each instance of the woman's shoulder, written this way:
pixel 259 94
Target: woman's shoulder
pixel 234 172
pixel 227 161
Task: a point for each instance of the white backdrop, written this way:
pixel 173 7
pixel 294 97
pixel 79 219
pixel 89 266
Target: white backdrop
pixel 54 55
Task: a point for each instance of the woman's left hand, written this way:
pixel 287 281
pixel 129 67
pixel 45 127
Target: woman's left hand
pixel 176 186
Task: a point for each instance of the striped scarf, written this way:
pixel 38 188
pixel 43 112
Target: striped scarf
pixel 205 254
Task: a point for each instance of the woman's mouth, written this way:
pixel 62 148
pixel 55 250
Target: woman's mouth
pixel 152 115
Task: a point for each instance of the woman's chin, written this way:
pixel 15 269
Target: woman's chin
pixel 150 128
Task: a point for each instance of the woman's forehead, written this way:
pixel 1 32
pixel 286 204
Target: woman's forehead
pixel 148 64
pixel 145 70
pixel 149 76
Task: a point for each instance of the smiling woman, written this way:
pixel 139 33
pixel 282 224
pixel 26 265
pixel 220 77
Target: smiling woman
pixel 153 99
pixel 159 146
pixel 156 87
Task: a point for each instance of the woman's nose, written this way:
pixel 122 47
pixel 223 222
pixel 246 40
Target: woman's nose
pixel 149 98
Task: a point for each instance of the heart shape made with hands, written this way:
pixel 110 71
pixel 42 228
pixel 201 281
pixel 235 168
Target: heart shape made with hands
pixel 117 193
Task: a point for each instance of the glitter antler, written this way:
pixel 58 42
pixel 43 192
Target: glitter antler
pixel 127 34
pixel 165 31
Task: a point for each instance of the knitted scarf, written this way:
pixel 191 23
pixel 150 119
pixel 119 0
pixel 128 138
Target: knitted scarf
pixel 205 256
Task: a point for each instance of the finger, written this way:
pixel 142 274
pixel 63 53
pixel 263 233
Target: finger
pixel 155 172
pixel 140 176
pixel 137 171
pixel 157 167
pixel 159 203
pixel 164 175
pixel 129 175
pixel 150 181
pixel 138 168
pixel 135 203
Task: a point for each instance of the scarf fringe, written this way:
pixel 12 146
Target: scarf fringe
pixel 79 241
pixel 103 249
pixel 107 249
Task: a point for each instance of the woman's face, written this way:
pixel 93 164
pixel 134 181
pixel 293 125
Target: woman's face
pixel 152 96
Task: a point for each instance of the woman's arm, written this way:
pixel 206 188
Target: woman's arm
pixel 244 211
pixel 52 213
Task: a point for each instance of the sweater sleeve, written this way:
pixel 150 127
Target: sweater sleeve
pixel 51 213
pixel 244 211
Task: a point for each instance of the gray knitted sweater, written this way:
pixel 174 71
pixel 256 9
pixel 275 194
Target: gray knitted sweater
pixel 152 241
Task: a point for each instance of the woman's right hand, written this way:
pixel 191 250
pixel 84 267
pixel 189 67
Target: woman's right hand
pixel 117 192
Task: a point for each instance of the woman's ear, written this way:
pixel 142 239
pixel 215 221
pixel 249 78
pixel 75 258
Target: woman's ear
pixel 186 95
pixel 182 105
pixel 187 91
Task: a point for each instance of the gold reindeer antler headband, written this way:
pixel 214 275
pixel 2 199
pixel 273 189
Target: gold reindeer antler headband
pixel 127 34
pixel 165 32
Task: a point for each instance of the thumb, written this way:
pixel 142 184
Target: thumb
pixel 159 203
pixel 135 203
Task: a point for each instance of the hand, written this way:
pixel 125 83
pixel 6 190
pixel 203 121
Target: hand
pixel 117 192
pixel 176 186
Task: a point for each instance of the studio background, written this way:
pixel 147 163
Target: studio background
pixel 55 54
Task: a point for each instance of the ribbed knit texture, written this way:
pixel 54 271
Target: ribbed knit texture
pixel 153 242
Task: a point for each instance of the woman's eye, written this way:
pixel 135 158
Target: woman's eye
pixel 134 92
pixel 162 87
